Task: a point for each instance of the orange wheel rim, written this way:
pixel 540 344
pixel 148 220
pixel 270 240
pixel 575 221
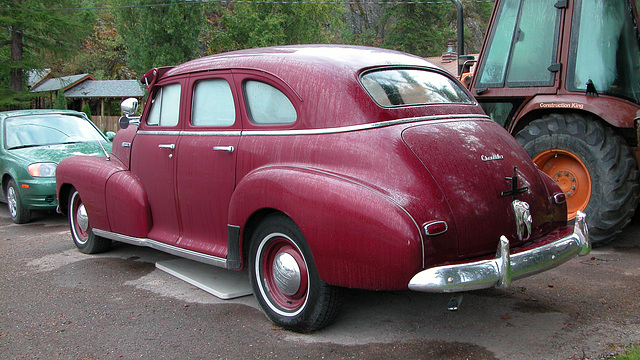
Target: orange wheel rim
pixel 570 173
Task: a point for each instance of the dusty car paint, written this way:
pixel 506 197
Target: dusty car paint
pixel 359 180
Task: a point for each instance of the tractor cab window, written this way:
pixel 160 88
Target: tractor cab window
pixel 522 46
pixel 604 49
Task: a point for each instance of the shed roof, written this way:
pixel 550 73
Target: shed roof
pixel 61 83
pixel 36 76
pixel 106 89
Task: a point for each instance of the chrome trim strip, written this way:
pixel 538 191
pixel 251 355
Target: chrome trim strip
pixel 437 119
pixel 212 133
pixel 192 133
pixel 500 271
pixel 158 132
pixel 343 129
pixel 170 249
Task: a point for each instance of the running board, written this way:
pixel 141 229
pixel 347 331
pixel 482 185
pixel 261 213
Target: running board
pixel 224 284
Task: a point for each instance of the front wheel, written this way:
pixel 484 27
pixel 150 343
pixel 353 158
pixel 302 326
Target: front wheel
pixel 84 238
pixel 285 280
pixel 19 214
pixel 593 166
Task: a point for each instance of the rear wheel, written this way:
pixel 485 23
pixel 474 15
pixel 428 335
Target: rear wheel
pixel 19 214
pixel 84 238
pixel 593 166
pixel 285 280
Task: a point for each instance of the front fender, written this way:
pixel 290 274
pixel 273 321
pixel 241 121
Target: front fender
pixel 88 175
pixel 358 236
pixel 128 205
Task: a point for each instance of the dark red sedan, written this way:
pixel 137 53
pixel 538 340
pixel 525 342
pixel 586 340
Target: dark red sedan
pixel 320 168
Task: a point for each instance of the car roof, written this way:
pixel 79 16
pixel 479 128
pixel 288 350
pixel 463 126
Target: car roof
pixel 333 58
pixel 324 79
pixel 10 113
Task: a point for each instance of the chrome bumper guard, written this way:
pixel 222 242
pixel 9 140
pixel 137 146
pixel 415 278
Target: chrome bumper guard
pixel 500 271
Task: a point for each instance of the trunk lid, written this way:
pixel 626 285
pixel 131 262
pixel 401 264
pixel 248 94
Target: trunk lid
pixel 472 161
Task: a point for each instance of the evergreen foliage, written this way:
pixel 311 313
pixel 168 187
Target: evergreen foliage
pixel 268 23
pixel 32 38
pixel 160 35
pixel 122 39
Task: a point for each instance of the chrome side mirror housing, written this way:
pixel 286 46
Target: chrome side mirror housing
pixel 129 107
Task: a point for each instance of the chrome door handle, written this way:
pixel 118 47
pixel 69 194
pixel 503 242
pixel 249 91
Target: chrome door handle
pixel 228 149
pixel 167 146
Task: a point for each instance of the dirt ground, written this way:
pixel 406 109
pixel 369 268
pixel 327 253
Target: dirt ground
pixel 57 303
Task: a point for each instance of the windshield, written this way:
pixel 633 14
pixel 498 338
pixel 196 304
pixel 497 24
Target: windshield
pixel 49 129
pixel 605 49
pixel 399 87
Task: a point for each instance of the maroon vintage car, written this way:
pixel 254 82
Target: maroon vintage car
pixel 319 168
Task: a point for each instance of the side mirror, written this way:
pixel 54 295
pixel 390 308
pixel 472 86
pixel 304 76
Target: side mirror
pixel 123 122
pixel 128 107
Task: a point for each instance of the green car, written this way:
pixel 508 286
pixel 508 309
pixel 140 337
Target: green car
pixel 33 143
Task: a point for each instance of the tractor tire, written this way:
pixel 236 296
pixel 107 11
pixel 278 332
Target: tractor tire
pixel 593 165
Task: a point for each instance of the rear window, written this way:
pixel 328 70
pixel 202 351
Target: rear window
pixel 400 87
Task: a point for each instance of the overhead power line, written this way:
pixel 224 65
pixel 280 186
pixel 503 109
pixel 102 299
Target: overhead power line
pixel 298 2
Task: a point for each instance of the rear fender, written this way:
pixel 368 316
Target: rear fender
pixel 341 220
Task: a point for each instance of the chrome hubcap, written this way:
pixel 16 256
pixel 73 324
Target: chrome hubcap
pixel 82 218
pixel 11 200
pixel 286 273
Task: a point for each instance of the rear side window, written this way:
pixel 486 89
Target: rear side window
pixel 213 104
pixel 399 87
pixel 268 105
pixel 165 106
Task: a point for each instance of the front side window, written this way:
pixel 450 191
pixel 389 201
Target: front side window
pixel 268 105
pixel 399 87
pixel 213 104
pixel 604 49
pixel 522 46
pixel 165 106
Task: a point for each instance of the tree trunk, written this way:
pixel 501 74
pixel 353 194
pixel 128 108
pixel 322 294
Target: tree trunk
pixel 16 58
pixel 17 48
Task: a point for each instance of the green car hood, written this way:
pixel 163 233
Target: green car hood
pixel 55 153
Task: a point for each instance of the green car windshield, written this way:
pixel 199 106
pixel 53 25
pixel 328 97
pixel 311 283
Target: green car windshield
pixel 39 130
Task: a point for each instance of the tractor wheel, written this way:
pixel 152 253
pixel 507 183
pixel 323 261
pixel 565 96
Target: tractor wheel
pixel 593 166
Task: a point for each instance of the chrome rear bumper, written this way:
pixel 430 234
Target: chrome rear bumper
pixel 500 271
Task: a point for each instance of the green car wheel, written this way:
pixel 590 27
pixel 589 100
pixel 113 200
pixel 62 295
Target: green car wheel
pixel 19 214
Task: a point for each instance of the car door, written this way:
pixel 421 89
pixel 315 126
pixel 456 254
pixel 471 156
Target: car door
pixel 206 161
pixel 153 157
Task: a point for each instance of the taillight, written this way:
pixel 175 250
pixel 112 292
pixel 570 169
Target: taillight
pixel 435 228
pixel 560 198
